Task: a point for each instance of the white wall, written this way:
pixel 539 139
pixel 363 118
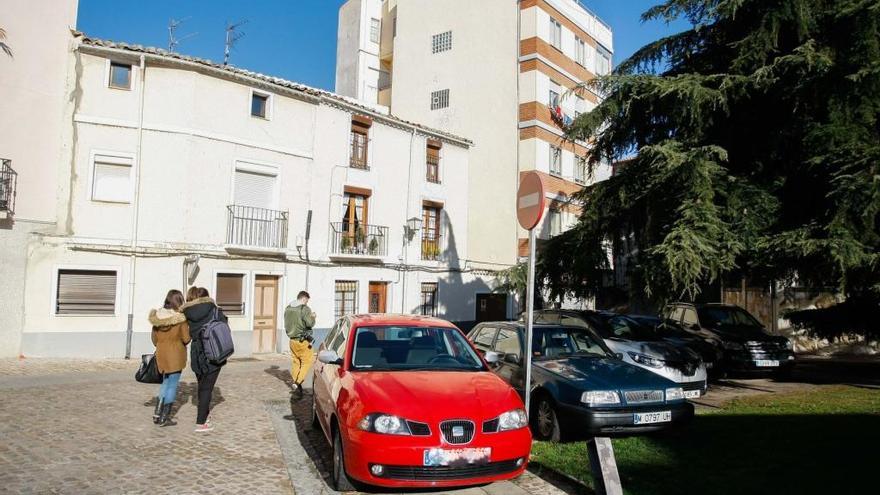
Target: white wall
pixel 185 160
pixel 33 135
pixel 483 104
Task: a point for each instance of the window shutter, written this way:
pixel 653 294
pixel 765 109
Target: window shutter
pixel 112 182
pixel 86 292
pixel 230 290
pixel 253 189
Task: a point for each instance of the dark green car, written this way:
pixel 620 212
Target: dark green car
pixel 579 387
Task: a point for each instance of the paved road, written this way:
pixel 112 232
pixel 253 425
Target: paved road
pixel 83 427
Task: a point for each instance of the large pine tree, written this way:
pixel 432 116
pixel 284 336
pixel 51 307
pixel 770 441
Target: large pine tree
pixel 756 147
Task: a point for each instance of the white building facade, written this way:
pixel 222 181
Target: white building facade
pixel 180 172
pixel 498 71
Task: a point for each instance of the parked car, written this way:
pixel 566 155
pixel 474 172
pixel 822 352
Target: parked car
pixel 639 346
pixel 709 348
pixel 579 387
pixel 747 344
pixel 407 402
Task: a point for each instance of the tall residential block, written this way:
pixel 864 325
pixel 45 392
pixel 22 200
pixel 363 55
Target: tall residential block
pixel 497 71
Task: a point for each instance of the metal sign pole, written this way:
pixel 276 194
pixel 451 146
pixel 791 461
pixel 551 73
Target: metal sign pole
pixel 530 310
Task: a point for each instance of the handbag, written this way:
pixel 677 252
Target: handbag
pixel 149 370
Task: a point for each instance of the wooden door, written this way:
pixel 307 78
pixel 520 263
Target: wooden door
pixel 265 313
pixel 378 297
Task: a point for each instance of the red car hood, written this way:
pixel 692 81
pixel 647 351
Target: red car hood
pixel 435 395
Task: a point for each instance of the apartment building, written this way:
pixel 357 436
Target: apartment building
pixel 497 71
pixel 177 171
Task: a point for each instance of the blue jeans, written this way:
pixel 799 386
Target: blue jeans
pixel 168 389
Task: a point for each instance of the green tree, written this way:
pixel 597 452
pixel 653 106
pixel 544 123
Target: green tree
pixel 756 148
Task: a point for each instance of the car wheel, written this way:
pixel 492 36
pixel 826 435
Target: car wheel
pixel 341 482
pixel 545 422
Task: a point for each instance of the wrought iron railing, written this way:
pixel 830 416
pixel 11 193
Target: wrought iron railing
pixel 256 227
pixel 432 247
pixel 8 178
pixel 362 239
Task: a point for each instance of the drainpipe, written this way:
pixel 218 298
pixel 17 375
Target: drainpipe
pixel 406 243
pixel 132 271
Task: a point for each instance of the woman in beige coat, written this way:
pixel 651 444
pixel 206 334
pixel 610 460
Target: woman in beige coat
pixel 170 336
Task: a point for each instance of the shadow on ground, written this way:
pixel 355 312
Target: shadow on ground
pixel 188 392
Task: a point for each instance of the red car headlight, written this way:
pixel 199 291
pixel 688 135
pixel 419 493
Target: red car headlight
pixel 513 420
pixel 386 424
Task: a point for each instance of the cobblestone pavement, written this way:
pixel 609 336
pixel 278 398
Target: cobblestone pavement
pixel 75 426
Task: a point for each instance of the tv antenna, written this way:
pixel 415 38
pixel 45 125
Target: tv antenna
pixel 173 40
pixel 232 37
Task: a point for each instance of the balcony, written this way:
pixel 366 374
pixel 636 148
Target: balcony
pixel 358 242
pixel 8 178
pixel 432 247
pixel 256 230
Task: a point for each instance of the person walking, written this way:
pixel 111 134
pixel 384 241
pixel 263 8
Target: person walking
pixel 200 310
pixel 298 322
pixel 170 336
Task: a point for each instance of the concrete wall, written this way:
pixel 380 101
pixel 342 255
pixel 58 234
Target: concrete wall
pixel 33 83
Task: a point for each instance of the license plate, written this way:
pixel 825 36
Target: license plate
pixel 652 417
pixel 691 394
pixel 457 457
pixel 767 363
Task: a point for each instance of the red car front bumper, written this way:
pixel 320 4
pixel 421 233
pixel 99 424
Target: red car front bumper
pixel 402 458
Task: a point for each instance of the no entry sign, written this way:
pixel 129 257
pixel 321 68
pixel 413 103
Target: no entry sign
pixel 530 200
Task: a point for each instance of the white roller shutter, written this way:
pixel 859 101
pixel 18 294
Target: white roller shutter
pixel 112 181
pixel 254 189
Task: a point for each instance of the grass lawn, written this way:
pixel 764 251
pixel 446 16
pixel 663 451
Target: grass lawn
pixel 821 441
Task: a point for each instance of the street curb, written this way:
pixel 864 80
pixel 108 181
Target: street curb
pixel 566 483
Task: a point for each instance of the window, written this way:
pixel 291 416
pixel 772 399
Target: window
pixel 254 189
pixel 346 298
pixel 689 318
pixel 484 338
pixel 354 232
pixel 259 105
pixel 580 52
pixel 394 28
pixel 555 33
pixel 431 231
pixel 555 161
pixel 553 99
pixel 603 61
pixel 120 75
pixel 555 221
pixel 429 299
pixel 441 42
pixel 507 342
pixel 440 99
pixel 86 292
pixel 432 161
pixel 580 170
pixel 375 30
pixel 111 178
pixel 360 132
pixel 230 293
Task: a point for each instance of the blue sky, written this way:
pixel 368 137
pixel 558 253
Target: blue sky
pixel 293 39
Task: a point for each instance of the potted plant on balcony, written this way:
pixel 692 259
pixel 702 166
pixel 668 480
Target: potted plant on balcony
pixel 359 238
pixel 374 246
pixel 346 244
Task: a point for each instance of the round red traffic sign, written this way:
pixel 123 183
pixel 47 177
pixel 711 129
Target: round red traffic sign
pixel 530 200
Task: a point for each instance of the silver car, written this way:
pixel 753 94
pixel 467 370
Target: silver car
pixel 636 344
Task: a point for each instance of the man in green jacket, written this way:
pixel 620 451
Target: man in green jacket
pixel 298 322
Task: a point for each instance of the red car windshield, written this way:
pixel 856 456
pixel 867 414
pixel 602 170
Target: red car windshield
pixel 401 348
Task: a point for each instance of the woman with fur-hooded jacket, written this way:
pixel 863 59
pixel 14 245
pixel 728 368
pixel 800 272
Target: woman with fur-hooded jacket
pixel 170 336
pixel 199 310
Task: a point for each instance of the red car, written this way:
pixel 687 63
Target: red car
pixel 406 401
